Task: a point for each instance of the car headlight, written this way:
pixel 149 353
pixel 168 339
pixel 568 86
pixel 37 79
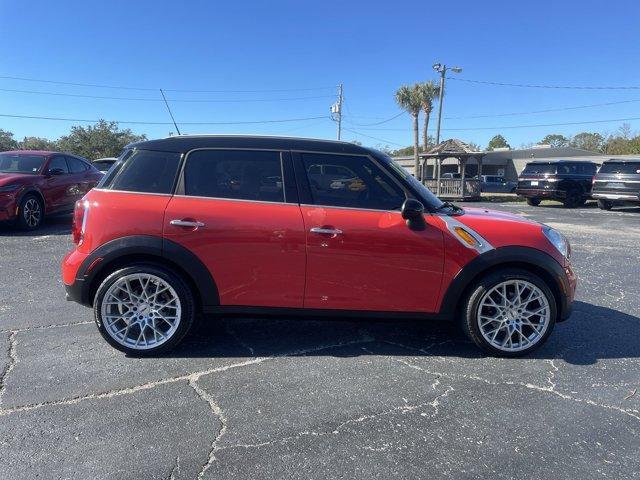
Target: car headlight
pixel 557 240
pixel 9 188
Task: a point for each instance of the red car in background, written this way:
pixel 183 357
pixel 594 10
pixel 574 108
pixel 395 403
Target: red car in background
pixel 38 183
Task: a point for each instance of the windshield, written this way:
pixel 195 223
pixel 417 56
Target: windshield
pixel 433 202
pixel 17 163
pixel 539 168
pixel 629 168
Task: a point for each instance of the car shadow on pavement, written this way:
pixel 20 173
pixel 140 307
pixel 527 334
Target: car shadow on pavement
pixel 592 333
pixel 54 225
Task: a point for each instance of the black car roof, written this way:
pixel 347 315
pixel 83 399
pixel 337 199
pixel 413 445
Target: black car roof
pixel 184 143
pixel 544 162
pixel 622 160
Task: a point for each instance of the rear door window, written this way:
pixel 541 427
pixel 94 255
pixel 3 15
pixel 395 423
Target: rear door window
pixel 58 163
pixel 144 171
pixel 76 166
pixel 235 174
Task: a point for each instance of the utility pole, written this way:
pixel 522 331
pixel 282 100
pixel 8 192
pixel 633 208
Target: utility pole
pixel 442 70
pixel 336 111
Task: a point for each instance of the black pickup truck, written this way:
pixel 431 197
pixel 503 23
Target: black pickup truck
pixel 566 181
pixel 617 183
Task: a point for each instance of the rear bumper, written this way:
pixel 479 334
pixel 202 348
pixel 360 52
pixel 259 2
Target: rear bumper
pixel 533 193
pixel 617 196
pixel 74 281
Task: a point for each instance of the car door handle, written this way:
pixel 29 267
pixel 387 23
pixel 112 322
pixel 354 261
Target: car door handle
pixel 326 231
pixel 186 223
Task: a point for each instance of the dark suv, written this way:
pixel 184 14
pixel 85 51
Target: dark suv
pixel 617 182
pixel 566 181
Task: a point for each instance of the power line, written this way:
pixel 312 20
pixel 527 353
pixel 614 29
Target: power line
pixel 378 123
pixel 131 122
pixel 523 85
pixel 102 97
pixel 542 125
pixel 561 109
pixel 374 138
pixel 120 87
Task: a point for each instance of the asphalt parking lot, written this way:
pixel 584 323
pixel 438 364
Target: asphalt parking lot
pixel 274 398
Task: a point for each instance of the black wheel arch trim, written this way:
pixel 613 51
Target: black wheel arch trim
pixel 530 258
pixel 146 247
pixel 35 191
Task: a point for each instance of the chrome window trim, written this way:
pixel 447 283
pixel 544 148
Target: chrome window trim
pixel 349 208
pixel 617 180
pixel 234 199
pixel 133 192
pixel 279 150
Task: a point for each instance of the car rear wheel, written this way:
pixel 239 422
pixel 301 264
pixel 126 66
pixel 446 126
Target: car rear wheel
pixel 143 310
pixel 509 313
pixel 30 212
pixel 604 205
pixel 534 202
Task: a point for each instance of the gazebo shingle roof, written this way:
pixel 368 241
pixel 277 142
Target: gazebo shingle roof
pixel 453 147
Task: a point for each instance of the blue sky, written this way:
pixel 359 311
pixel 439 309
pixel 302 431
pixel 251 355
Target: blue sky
pixel 371 47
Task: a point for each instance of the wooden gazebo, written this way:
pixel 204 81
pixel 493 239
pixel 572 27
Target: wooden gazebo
pixel 462 188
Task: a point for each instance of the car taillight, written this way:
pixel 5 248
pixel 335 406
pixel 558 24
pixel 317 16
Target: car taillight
pixel 77 228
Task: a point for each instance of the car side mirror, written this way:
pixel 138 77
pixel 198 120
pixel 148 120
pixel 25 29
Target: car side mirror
pixel 55 171
pixel 413 212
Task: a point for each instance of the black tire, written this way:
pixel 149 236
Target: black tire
pixel 30 212
pixel 534 202
pixel 604 205
pixel 471 306
pixel 183 292
pixel 572 200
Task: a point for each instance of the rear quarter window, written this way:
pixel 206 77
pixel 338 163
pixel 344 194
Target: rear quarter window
pixel 143 171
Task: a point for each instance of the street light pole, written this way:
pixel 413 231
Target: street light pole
pixel 443 71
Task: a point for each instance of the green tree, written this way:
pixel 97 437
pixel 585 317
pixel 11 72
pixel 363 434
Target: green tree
pixel 555 140
pixel 428 92
pixel 497 142
pixel 7 142
pixel 588 141
pixel 408 98
pixel 104 139
pixel 37 143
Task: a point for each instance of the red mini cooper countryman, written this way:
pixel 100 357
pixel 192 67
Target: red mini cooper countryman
pixel 250 225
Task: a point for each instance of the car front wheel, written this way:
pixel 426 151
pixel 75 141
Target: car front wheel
pixel 30 212
pixel 143 310
pixel 534 202
pixel 509 313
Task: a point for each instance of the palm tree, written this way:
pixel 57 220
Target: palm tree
pixel 429 92
pixel 408 98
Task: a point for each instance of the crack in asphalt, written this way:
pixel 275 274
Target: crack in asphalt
pixel 215 408
pixel 175 469
pixel 402 409
pixel 46 327
pixel 239 340
pixel 164 381
pixel 11 363
pixel 551 389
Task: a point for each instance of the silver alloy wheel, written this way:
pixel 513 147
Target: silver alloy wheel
pixel 32 212
pixel 514 315
pixel 140 311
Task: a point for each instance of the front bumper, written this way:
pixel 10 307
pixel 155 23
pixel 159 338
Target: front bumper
pixel 8 206
pixel 568 284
